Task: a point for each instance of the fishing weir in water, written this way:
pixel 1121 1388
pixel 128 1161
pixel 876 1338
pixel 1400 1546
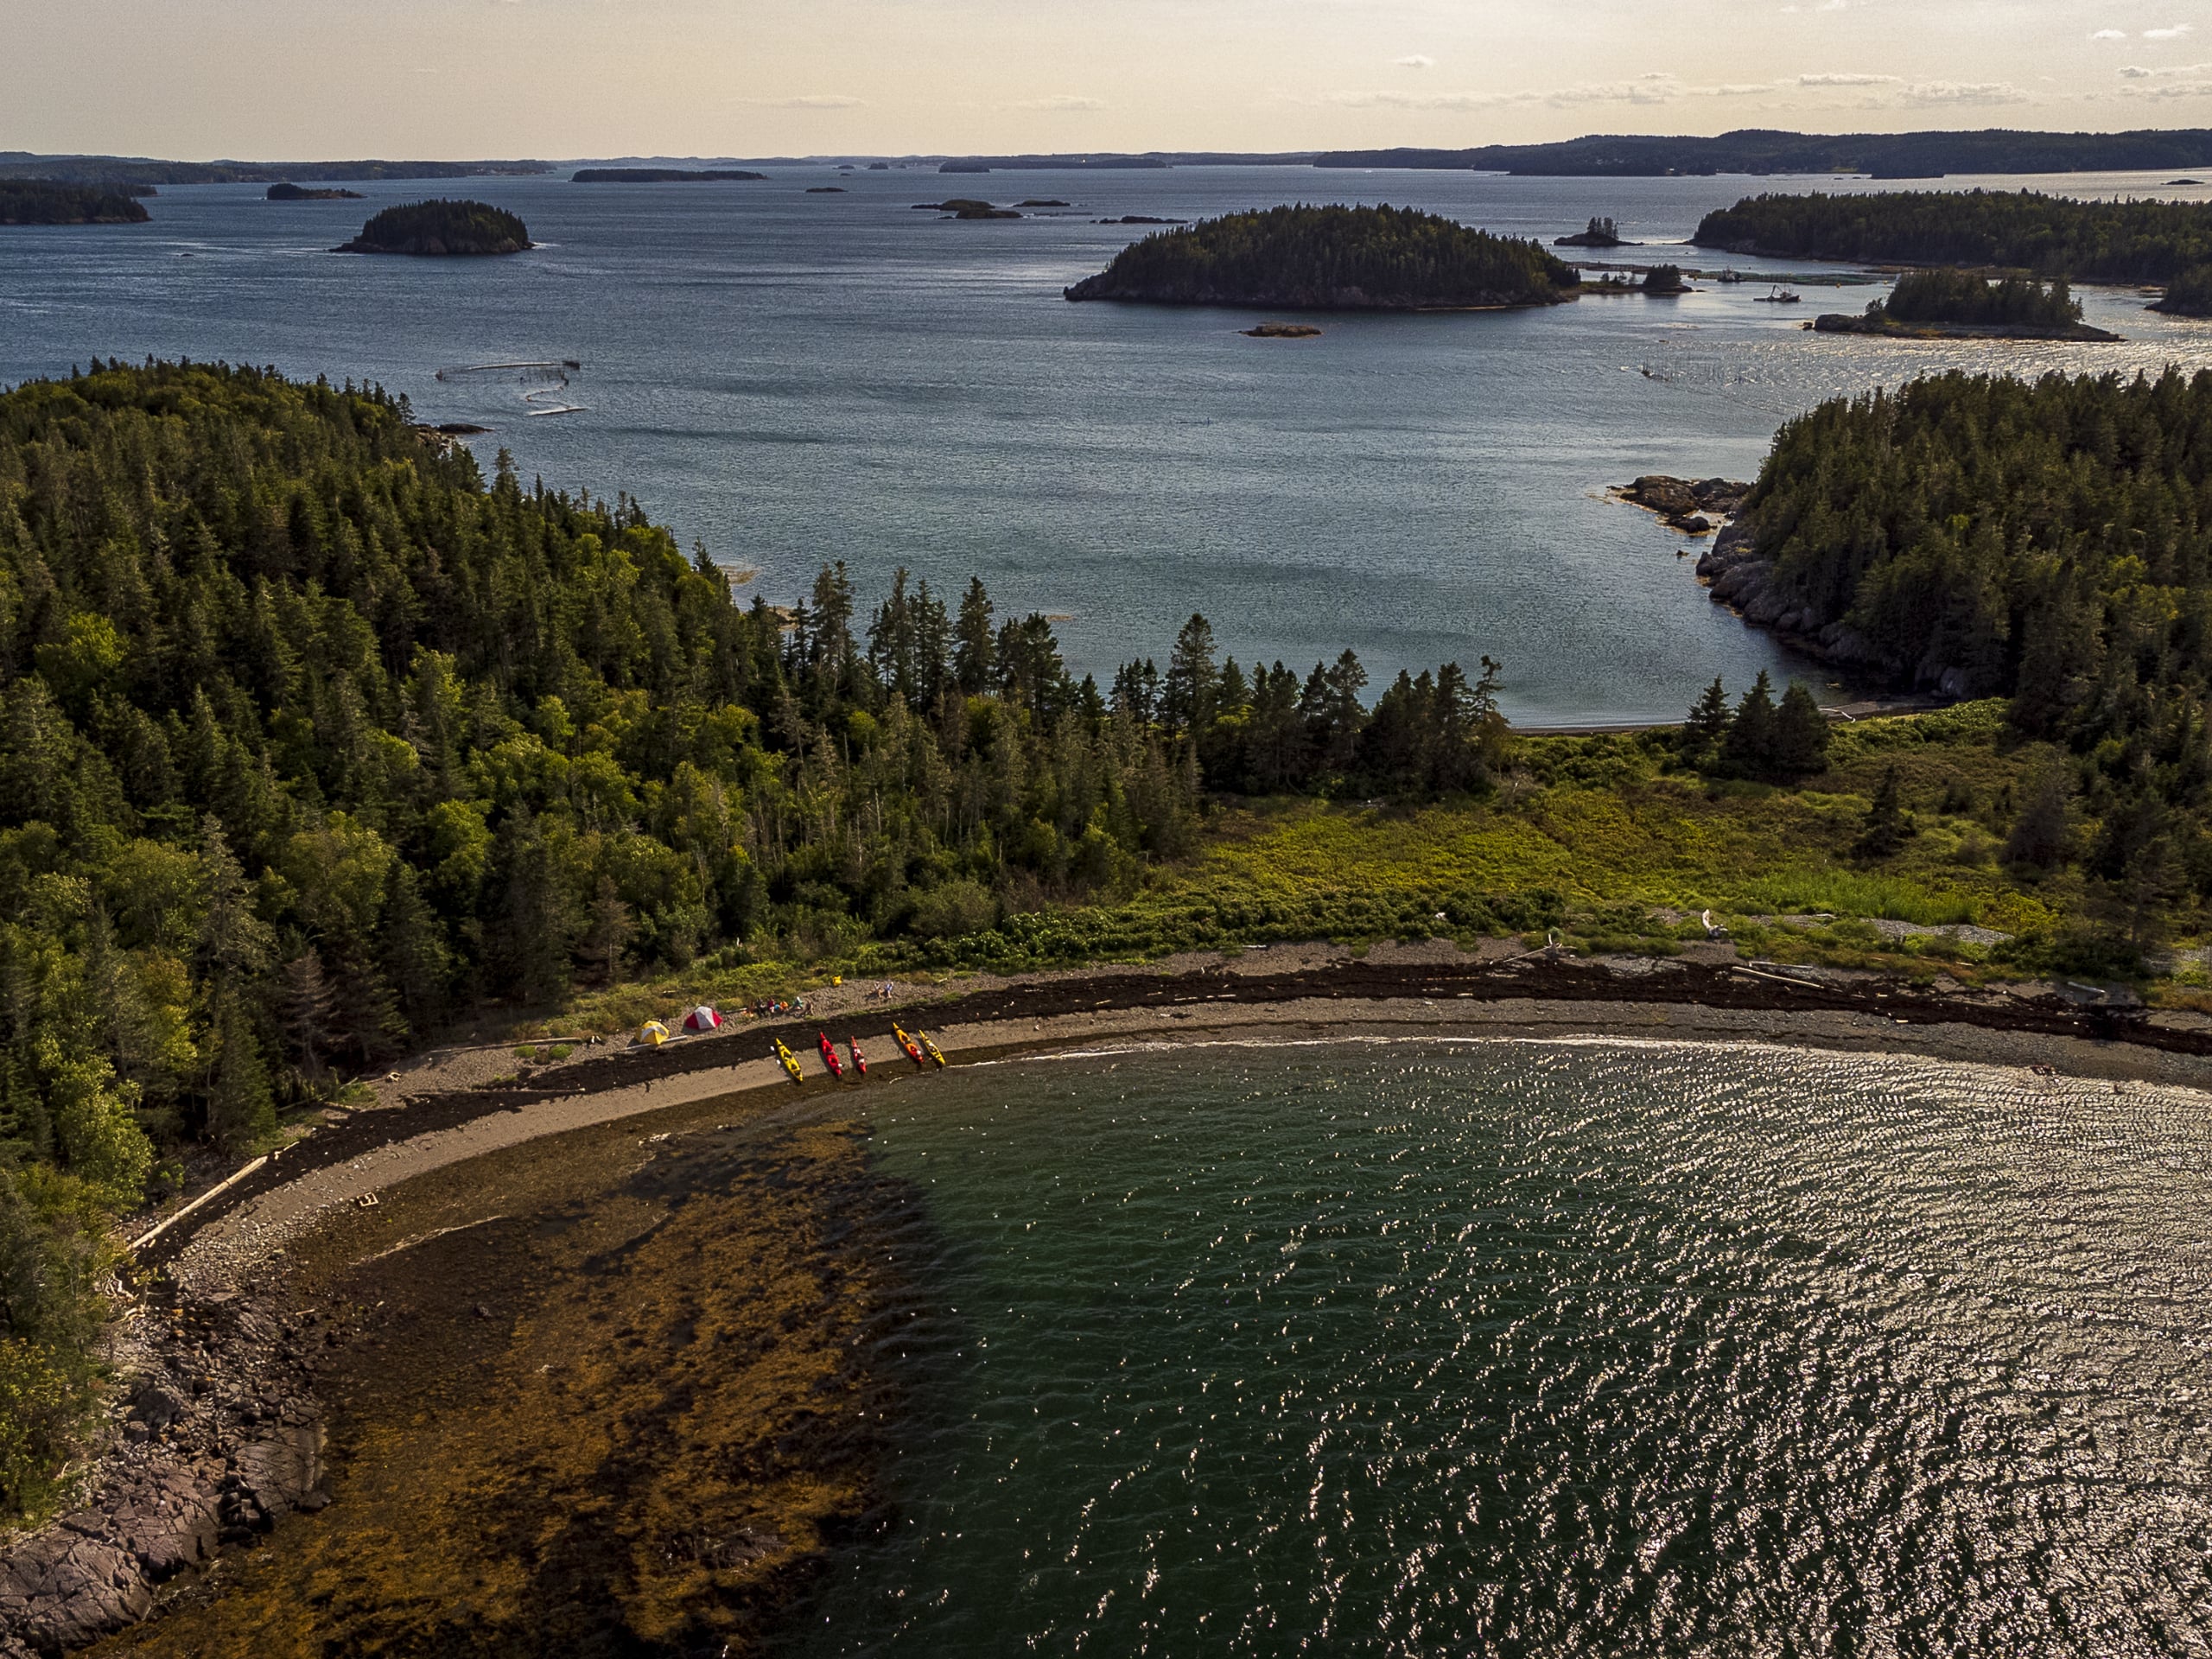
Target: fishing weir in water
pixel 554 373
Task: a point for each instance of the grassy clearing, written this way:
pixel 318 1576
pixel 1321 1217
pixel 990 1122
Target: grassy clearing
pixel 1606 839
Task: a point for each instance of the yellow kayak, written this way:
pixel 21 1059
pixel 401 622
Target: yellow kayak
pixel 789 1062
pixel 935 1054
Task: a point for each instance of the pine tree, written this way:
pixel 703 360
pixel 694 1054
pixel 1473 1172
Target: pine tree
pixel 612 929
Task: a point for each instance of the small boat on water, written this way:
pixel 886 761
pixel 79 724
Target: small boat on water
pixel 789 1061
pixel 859 1060
pixel 829 1056
pixel 934 1051
pixel 908 1046
pixel 1780 296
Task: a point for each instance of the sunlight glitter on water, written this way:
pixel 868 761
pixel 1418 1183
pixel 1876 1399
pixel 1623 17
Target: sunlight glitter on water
pixel 1546 1348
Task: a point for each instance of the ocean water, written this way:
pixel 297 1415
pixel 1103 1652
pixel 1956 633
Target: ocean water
pixel 1543 1349
pixel 789 379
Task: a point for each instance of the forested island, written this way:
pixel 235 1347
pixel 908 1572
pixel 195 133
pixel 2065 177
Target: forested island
pixel 288 192
pixel 441 228
pixel 1945 304
pixel 663 176
pixel 126 170
pixel 2050 236
pixel 1884 154
pixel 1333 259
pixel 1601 233
pixel 41 201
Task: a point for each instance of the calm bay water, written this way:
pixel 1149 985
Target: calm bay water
pixel 791 377
pixel 1544 1348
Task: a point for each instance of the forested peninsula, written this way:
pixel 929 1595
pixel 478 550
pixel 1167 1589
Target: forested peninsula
pixel 661 176
pixel 1333 259
pixel 288 192
pixel 441 228
pixel 124 171
pixel 1947 304
pixel 2050 236
pixel 39 201
pixel 1884 154
pixel 311 737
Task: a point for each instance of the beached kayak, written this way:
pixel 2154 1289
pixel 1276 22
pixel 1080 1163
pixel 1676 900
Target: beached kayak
pixel 859 1060
pixel 908 1046
pixel 829 1056
pixel 935 1054
pixel 789 1061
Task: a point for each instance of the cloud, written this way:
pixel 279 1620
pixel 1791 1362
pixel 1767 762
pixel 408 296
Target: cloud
pixel 1415 61
pixel 1062 102
pixel 810 101
pixel 2173 33
pixel 2109 34
pixel 2136 72
pixel 1849 80
pixel 1643 90
pixel 1953 91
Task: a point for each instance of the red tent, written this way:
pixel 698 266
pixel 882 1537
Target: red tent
pixel 701 1017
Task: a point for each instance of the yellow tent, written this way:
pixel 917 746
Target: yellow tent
pixel 652 1031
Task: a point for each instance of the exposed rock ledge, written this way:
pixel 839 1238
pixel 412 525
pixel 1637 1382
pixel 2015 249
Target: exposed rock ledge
pixel 1740 577
pixel 215 1433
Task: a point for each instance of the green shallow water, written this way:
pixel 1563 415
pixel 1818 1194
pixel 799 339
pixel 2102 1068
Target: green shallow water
pixel 1541 1348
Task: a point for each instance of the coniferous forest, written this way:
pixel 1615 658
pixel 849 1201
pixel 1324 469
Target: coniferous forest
pixel 2051 541
pixel 1333 258
pixel 311 737
pixel 2050 236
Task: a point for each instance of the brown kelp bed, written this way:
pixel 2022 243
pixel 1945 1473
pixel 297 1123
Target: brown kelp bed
pixel 609 1393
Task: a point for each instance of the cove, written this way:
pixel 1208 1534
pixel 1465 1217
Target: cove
pixel 1539 1348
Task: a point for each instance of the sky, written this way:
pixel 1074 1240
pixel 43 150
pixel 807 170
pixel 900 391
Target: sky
pixel 304 79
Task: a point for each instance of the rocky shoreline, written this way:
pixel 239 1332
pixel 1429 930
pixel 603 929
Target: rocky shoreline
pixel 1844 323
pixel 215 1434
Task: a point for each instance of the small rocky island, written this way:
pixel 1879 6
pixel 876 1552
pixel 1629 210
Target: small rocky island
pixel 965 207
pixel 2189 294
pixel 661 176
pixel 1282 331
pixel 442 229
pixel 1694 508
pixel 1964 305
pixel 42 202
pixel 301 193
pixel 1602 233
pixel 1333 259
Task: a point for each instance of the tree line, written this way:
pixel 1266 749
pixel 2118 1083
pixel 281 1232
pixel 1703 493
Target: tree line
pixel 1965 296
pixel 2050 236
pixel 312 737
pixel 1331 258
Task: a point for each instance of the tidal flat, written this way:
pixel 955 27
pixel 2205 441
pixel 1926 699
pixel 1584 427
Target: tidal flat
pixel 609 1392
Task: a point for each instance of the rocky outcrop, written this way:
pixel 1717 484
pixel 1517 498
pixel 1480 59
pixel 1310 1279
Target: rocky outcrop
pixel 1883 328
pixel 1693 508
pixel 214 1435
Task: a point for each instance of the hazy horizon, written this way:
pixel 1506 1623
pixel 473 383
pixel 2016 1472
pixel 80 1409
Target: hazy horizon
pixel 256 80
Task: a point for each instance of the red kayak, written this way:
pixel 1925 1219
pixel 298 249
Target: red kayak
pixel 859 1060
pixel 829 1056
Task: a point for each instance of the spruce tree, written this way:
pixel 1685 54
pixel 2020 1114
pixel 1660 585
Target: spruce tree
pixel 1748 751
pixel 1706 724
pixel 241 1112
pixel 1801 736
pixel 1884 831
pixel 974 655
pixel 2039 835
